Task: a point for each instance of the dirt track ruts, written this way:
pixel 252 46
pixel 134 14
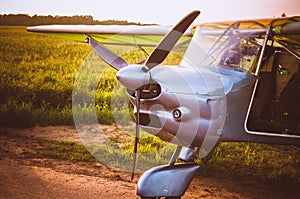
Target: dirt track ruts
pixel 28 176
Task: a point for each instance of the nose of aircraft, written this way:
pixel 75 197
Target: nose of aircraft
pixel 133 77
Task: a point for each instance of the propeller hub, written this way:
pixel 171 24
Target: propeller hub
pixel 133 77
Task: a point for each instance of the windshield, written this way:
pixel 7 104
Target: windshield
pixel 224 49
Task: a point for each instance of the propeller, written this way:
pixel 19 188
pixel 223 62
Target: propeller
pixel 109 57
pixel 136 76
pixel 137 131
pixel 168 42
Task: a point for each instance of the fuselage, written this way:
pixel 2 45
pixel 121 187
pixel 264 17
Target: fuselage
pixel 188 106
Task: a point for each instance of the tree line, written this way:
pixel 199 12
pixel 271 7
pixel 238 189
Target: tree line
pixel 26 20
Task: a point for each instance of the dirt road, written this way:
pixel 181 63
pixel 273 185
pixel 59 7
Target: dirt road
pixel 25 174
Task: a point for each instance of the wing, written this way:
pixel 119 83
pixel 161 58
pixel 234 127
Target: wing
pixel 286 30
pixel 131 35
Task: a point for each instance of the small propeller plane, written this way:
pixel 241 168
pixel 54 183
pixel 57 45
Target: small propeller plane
pixel 238 81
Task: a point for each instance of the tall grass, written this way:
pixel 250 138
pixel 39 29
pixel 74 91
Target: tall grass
pixel 37 76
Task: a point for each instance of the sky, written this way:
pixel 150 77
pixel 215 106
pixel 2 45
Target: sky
pixel 166 12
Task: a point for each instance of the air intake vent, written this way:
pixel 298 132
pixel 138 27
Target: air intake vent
pixel 149 91
pixel 149 120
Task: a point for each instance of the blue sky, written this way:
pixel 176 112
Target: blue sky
pixel 155 11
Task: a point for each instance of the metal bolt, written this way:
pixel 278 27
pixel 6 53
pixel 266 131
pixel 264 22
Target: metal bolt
pixel 177 114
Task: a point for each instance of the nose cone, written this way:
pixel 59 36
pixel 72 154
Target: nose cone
pixel 133 77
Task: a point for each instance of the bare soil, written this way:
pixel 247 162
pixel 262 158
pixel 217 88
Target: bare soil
pixel 25 174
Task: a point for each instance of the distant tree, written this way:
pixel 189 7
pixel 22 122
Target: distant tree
pixel 26 20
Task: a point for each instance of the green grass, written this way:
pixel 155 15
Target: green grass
pixel 67 150
pixel 37 78
pixel 254 161
pixel 37 75
pixel 249 161
pixel 151 152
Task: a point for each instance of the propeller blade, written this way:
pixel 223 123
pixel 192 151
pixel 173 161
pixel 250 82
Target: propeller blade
pixel 137 132
pixel 168 42
pixel 109 57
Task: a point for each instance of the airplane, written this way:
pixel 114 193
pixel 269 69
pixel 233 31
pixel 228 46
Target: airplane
pixel 238 81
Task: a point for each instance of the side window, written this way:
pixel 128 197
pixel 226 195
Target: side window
pixel 239 55
pixel 286 69
pixel 276 105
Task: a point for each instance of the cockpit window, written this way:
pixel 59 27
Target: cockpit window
pixel 231 50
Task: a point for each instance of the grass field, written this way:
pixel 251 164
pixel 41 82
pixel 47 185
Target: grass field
pixel 37 78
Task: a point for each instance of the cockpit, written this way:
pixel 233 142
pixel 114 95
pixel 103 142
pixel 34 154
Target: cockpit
pixel 275 62
pixel 225 48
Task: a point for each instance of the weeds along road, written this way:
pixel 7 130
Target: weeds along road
pixel 26 173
